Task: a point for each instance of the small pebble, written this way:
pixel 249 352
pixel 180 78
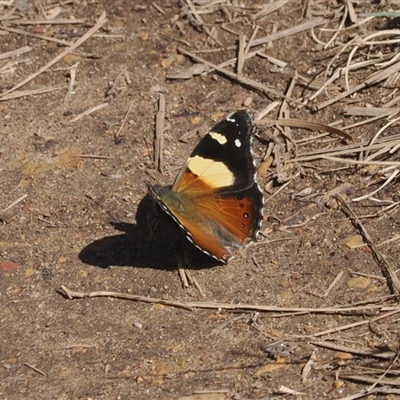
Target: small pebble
pixel 138 325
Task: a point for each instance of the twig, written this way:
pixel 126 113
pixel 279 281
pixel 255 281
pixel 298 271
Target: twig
pixel 35 35
pixel 35 369
pixel 70 294
pixel 182 275
pixel 100 22
pixel 125 118
pixel 193 281
pixel 379 257
pixel 241 79
pixel 359 162
pixel 307 368
pixel 60 21
pixel 269 8
pixel 241 55
pixel 226 306
pixel 111 90
pixel 388 180
pixel 354 325
pixel 23 93
pixel 159 142
pixel 15 53
pixel 381 378
pixel 298 123
pixel 94 156
pixel 15 202
pixel 332 285
pixel 289 31
pixel 200 22
pixel 72 76
pixel 375 78
pixel 157 7
pixel 89 111
pixel 378 390
pixel 387 355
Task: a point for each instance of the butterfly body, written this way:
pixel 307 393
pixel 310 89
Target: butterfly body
pixel 215 198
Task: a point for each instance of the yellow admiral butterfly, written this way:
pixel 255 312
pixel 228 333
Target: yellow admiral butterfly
pixel 215 198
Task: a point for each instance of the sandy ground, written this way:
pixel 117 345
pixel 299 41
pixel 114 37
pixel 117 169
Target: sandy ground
pixel 74 209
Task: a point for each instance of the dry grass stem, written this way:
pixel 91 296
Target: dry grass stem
pixel 94 156
pixel 242 79
pixel 89 111
pixel 267 9
pixel 39 371
pixel 380 258
pixel 384 355
pixel 159 134
pixel 392 176
pixel 36 35
pixel 60 21
pixel 15 202
pixel 158 8
pixel 23 93
pixel 182 275
pixel 354 324
pixel 373 79
pixel 193 281
pixel 15 53
pixel 317 208
pixel 100 22
pixel 369 111
pixel 239 307
pixel 125 118
pixel 241 55
pixel 317 126
pixel 333 284
pixel 307 368
pixel 71 83
pixel 113 87
pixel 289 31
pixel 195 16
pixel 359 162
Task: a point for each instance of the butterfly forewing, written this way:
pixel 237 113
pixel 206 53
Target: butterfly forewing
pixel 223 158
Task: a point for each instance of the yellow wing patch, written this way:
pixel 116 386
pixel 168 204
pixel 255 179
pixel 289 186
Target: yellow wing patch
pixel 214 173
pixel 221 139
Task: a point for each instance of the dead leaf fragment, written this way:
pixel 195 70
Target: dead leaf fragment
pixel 188 73
pixel 358 282
pixel 195 120
pixel 264 167
pixel 341 355
pixel 353 242
pixel 68 158
pixel 30 272
pixel 278 364
pixel 166 62
pixel 144 36
pixel 9 266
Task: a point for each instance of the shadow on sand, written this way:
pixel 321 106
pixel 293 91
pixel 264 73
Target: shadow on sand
pixel 153 242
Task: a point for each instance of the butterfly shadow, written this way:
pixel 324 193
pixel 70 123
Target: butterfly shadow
pixel 155 241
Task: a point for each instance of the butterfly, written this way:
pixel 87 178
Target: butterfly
pixel 215 198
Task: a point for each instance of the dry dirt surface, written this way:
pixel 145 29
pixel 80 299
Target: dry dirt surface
pixel 310 311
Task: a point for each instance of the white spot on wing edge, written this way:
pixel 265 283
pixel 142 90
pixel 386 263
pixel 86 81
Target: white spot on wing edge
pixel 238 143
pixel 230 119
pixel 221 139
